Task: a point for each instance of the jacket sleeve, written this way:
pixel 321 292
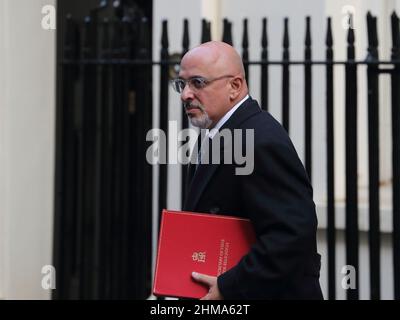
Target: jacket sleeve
pixel 277 197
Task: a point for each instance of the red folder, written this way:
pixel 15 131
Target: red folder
pixel 205 243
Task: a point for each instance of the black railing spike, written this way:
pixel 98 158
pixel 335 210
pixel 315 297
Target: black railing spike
pixel 372 37
pixel 245 42
pixel 264 40
pixel 163 110
pixel 308 100
pixel 375 32
pixel 227 33
pixel 245 48
pixel 331 232
pixel 351 166
pixel 285 77
pixel 209 30
pixel 164 34
pixel 373 159
pixel 185 39
pixel 264 67
pixel 224 29
pixel 350 36
pixel 230 34
pixel 395 36
pixel 369 27
pixel 350 33
pixel 308 32
pixel 184 119
pixel 286 34
pixel 329 37
pixel 205 31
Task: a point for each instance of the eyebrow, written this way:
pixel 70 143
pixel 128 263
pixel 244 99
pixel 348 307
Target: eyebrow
pixel 192 77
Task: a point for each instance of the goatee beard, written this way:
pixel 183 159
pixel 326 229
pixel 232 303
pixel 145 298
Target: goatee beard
pixel 203 121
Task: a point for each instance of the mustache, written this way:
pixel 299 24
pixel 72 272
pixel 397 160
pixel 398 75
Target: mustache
pixel 190 105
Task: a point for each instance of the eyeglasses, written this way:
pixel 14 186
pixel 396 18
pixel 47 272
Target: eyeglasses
pixel 196 83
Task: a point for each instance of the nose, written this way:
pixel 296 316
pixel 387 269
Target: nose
pixel 187 94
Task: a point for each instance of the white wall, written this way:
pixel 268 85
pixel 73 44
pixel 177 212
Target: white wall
pixel 27 126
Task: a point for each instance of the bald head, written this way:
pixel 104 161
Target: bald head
pixel 216 78
pixel 220 56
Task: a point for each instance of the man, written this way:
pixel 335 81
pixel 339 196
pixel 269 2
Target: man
pixel 276 196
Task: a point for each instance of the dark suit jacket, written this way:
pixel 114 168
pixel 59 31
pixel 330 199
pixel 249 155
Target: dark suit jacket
pixel 277 198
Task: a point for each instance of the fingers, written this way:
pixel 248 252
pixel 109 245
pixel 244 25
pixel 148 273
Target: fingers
pixel 203 278
pixel 211 282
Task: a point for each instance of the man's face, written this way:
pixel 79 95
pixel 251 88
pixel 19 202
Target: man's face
pixel 207 105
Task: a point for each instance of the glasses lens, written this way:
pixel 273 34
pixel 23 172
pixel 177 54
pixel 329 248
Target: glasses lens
pixel 181 85
pixel 198 83
pixel 177 85
pixel 195 83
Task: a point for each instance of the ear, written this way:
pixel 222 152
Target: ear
pixel 236 87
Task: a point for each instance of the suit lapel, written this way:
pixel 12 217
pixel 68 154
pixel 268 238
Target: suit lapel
pixel 204 172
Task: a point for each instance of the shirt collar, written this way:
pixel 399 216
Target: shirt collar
pixel 211 133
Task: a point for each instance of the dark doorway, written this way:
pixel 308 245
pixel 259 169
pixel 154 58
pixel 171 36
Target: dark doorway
pixel 102 239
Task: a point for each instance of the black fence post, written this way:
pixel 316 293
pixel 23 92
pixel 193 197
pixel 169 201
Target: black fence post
pixel 227 32
pixel 285 77
pixel 245 51
pixel 395 86
pixel 185 124
pixel 351 164
pixel 331 231
pixel 264 66
pixel 373 157
pixel 205 31
pixel 164 78
pixel 308 99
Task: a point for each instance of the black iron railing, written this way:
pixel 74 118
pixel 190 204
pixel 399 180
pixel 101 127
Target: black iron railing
pixel 104 200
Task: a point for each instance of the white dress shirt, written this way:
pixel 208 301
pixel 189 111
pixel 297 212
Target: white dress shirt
pixel 210 133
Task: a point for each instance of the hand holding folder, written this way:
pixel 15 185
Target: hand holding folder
pixel 203 243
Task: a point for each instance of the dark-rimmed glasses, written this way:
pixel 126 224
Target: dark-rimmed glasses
pixel 196 83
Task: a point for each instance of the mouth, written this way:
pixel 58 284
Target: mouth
pixel 193 113
pixel 190 108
